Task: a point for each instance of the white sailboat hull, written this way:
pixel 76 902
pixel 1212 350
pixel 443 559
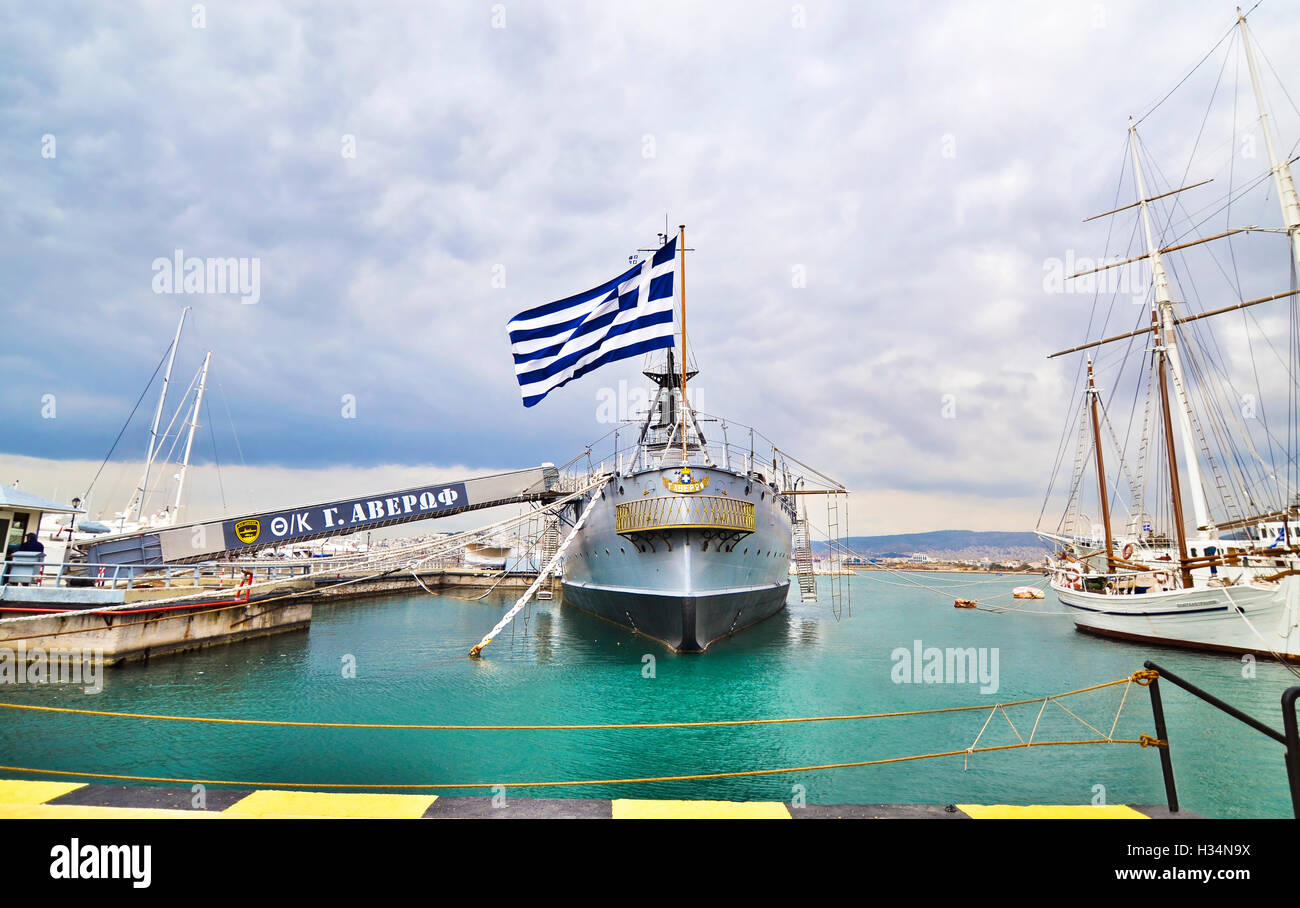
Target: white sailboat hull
pixel 1250 618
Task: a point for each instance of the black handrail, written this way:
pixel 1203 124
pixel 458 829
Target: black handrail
pixel 1290 738
pixel 1289 697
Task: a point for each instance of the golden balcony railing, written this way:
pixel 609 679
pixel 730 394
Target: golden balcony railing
pixel 699 512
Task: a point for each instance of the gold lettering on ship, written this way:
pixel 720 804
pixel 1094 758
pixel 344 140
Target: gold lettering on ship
pixel 684 480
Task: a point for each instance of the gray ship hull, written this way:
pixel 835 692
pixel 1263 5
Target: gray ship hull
pixel 683 567
pixel 684 624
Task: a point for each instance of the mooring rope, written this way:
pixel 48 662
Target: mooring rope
pixel 1134 678
pixel 1142 677
pixel 1285 663
pixel 1144 741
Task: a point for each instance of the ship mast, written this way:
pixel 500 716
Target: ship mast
pixel 682 276
pixel 670 413
pixel 189 441
pixel 137 501
pixel 1286 191
pixel 1168 361
pixel 1093 393
pixel 1162 351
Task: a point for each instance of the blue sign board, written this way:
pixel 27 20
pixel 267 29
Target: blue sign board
pixel 338 517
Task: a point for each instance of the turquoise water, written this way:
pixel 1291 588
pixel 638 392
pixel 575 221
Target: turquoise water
pixel 567 667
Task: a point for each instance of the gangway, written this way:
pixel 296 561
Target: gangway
pixel 242 535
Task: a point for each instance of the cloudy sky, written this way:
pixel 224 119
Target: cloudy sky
pixel 408 176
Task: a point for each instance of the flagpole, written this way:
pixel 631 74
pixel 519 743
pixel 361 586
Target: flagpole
pixel 682 240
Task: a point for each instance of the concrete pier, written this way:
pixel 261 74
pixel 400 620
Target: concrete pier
pixel 129 634
pixel 150 630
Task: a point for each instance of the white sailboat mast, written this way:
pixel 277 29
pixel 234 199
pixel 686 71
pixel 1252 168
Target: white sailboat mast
pixel 1165 310
pixel 1286 191
pixel 189 441
pixel 138 499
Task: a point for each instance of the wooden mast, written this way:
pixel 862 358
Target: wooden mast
pixel 1171 455
pixel 682 276
pixel 1101 473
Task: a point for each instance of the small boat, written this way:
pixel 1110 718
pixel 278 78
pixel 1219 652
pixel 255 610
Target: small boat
pixel 965 603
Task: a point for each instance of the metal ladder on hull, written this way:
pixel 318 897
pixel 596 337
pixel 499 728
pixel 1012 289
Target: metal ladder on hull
pixel 803 561
pixel 547 545
pixel 835 554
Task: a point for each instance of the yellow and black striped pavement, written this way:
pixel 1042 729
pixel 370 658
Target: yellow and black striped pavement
pixel 26 799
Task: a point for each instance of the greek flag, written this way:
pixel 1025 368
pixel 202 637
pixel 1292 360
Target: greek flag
pixel 627 316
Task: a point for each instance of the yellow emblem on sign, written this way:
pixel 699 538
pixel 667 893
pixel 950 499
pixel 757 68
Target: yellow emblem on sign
pixel 684 480
pixel 248 530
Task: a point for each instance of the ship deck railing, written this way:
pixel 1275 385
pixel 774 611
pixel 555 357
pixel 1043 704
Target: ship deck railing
pixel 699 512
pixel 1128 581
pixel 82 574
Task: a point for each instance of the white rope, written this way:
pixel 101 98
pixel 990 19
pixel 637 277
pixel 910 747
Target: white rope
pixel 998 707
pixel 1276 655
pixel 542 576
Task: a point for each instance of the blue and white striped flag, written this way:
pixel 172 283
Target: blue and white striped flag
pixel 627 316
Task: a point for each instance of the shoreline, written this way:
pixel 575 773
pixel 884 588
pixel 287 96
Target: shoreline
pixel 943 569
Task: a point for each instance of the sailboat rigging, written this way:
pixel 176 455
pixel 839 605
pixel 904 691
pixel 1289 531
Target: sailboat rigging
pixel 1233 582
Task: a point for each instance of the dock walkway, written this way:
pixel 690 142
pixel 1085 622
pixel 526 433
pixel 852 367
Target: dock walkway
pixel 27 799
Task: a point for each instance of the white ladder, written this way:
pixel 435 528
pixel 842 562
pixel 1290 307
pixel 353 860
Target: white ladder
pixel 803 561
pixel 835 552
pixel 547 544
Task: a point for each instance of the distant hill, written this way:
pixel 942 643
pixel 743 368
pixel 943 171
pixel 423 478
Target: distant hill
pixel 948 545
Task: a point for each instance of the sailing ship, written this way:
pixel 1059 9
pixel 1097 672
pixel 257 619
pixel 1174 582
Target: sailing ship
pixel 685 540
pixel 141 513
pixel 1231 583
pixel 133 518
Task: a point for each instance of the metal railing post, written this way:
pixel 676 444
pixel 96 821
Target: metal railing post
pixel 1162 733
pixel 1289 726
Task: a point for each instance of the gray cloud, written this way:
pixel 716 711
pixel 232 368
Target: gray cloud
pixel 821 147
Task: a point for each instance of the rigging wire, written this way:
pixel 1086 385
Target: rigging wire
pixel 1065 431
pixel 207 409
pixel 1192 71
pixel 138 401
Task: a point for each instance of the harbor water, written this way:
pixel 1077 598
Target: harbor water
pixel 402 659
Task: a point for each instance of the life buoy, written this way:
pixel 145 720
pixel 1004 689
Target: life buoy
pixel 1128 551
pixel 1160 577
pixel 1074 577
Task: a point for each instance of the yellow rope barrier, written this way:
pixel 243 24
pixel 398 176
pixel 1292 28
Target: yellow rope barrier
pixel 1144 741
pixel 588 727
